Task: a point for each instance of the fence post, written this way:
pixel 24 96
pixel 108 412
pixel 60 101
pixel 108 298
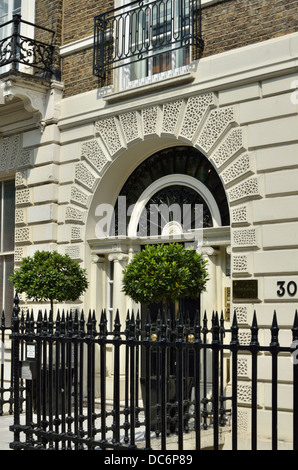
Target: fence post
pixel 274 352
pixel 147 346
pixel 254 346
pixel 295 385
pixel 234 350
pixel 16 372
pixel 215 377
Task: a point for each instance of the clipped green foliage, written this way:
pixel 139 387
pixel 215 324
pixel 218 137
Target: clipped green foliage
pixel 165 273
pixel 49 276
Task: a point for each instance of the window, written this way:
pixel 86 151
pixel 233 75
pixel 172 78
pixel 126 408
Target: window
pixel 8 8
pixel 160 32
pixel 7 226
pixel 147 40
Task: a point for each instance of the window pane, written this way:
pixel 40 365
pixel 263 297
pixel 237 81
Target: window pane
pixel 3 10
pixel 17 7
pixel 9 215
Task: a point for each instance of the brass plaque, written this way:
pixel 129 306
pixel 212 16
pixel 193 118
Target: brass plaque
pixel 227 303
pixel 245 289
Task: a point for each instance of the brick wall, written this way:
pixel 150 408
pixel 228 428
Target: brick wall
pixel 226 25
pixel 78 17
pixel 237 23
pixel 49 15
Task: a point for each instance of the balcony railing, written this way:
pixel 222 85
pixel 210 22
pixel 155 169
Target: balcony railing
pixel 35 54
pixel 145 29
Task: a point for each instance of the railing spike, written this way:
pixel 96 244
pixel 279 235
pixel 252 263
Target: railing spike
pixel 234 330
pixel 295 327
pixel 254 331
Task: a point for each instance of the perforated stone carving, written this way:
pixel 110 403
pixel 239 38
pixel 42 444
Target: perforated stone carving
pixel 241 168
pixel 244 394
pixel 23 197
pixel 20 216
pixel 247 189
pixel 230 147
pixel 171 113
pixel 12 155
pixel 240 263
pixel 18 254
pixel 241 314
pixel 218 122
pixel 77 196
pixel 244 237
pixel 150 120
pixel 4 153
pixel 94 154
pixel 23 235
pixel 239 215
pixel 14 151
pixel 74 251
pixel 20 179
pixel 244 337
pixel 76 233
pixel 196 109
pixel 109 129
pixel 130 126
pixel 242 421
pixel 84 176
pixel 242 367
pixel 26 158
pixel 72 214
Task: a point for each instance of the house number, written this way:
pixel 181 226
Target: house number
pixel 289 288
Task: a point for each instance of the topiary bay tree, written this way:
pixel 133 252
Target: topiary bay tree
pixel 165 273
pixel 50 276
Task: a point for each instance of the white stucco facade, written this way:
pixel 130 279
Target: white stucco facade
pixel 240 110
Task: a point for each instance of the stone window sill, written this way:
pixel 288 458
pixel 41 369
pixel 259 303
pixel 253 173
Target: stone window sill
pixel 149 88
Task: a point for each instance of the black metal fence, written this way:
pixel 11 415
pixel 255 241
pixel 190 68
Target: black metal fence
pixel 6 373
pixel 155 382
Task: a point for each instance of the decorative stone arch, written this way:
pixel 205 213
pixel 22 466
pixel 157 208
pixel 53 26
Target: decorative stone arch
pixel 197 121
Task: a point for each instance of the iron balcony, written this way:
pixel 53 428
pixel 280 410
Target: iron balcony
pixel 37 53
pixel 144 29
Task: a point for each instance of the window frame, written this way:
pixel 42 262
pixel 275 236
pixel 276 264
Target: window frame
pixel 170 53
pixel 27 12
pixel 6 256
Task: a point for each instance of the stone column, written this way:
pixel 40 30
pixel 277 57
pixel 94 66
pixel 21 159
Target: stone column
pixel 98 284
pixel 209 300
pixel 119 300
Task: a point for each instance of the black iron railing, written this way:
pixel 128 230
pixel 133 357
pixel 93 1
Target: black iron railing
pixel 16 49
pixel 157 375
pixel 144 29
pixel 6 373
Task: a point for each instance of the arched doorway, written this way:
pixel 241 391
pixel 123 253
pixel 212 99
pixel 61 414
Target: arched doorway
pixel 177 195
pixel 170 186
pixel 177 175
